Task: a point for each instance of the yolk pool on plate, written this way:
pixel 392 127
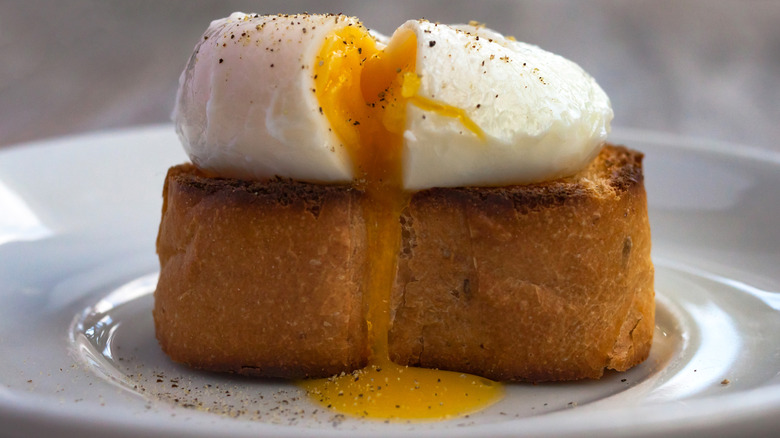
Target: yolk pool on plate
pixel 364 93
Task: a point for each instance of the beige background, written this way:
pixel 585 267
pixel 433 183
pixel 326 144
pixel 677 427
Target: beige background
pixel 708 69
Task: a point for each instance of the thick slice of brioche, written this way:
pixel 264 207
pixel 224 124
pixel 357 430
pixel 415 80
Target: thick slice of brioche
pixel 549 281
pixel 261 278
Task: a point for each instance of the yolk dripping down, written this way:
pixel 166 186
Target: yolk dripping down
pixel 364 91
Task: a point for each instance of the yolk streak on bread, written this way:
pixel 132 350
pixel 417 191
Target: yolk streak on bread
pixel 364 92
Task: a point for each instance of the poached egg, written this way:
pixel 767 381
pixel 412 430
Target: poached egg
pixel 300 96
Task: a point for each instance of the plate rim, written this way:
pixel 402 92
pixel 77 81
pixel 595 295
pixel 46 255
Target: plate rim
pixel 754 404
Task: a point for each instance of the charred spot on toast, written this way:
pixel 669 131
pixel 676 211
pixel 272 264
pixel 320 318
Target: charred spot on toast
pixel 279 191
pixel 616 170
pixel 627 245
pixel 408 237
pixel 624 166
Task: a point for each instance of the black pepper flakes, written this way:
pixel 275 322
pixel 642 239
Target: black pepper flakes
pixel 431 43
pixel 221 60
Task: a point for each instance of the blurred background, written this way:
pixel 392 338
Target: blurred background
pixel 706 69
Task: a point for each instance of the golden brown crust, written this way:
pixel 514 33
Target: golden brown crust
pixel 260 278
pixel 545 282
pixel 550 281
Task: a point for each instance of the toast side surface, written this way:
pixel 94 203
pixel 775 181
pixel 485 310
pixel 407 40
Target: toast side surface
pixel 260 278
pixel 550 281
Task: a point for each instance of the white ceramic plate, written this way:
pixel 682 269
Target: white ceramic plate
pixel 78 219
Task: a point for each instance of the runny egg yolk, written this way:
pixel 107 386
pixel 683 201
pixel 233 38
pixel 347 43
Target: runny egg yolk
pixel 364 92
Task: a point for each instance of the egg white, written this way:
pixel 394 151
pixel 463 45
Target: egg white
pixel 542 115
pixel 245 107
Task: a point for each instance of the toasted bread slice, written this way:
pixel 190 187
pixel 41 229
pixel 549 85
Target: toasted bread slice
pixel 548 281
pixel 261 278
